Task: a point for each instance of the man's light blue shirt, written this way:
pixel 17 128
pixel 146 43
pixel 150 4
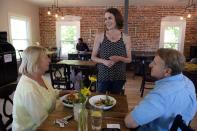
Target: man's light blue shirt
pixel 171 96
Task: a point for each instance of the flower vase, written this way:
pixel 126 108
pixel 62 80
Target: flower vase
pixel 76 109
pixel 83 119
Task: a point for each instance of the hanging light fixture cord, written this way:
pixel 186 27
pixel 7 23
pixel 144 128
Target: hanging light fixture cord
pixel 55 10
pixel 191 5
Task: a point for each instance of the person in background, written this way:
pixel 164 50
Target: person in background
pixel 173 94
pixel 34 97
pixel 112 50
pixel 81 46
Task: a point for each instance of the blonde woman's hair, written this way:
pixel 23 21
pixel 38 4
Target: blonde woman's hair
pixel 30 59
pixel 173 59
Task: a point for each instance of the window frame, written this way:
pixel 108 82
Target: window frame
pixel 28 31
pixel 173 21
pixel 68 21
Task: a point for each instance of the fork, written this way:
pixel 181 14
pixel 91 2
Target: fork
pixel 106 94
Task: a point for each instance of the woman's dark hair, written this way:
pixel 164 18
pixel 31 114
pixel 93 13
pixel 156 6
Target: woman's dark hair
pixel 117 15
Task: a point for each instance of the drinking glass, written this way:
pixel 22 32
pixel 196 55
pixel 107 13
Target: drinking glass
pixel 96 119
pixel 76 108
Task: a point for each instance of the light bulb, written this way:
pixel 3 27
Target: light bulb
pixel 56 15
pixel 189 16
pixel 181 18
pixel 49 12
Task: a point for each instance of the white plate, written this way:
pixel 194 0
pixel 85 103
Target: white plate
pixel 94 99
pixel 65 104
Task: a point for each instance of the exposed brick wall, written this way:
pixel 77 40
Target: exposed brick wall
pixel 144 25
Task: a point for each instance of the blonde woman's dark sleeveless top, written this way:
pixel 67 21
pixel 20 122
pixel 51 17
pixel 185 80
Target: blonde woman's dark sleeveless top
pixel 107 49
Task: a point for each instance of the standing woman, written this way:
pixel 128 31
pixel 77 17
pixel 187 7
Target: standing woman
pixel 34 97
pixel 112 50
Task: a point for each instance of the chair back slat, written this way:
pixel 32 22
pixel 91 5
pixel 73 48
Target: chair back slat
pixel 60 76
pixel 180 124
pixel 146 76
pixel 5 92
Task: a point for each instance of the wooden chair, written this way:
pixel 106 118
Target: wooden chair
pixel 60 76
pixel 146 77
pixel 5 92
pixel 180 124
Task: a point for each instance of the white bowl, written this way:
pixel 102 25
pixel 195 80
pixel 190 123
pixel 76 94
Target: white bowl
pixel 64 103
pixel 96 98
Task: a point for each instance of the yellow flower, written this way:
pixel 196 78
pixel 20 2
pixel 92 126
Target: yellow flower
pixel 85 91
pixel 92 78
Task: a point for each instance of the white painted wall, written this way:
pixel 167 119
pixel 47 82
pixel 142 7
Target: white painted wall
pixel 20 8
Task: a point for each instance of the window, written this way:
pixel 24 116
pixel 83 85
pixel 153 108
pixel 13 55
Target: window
pixel 19 32
pixel 67 34
pixel 172 33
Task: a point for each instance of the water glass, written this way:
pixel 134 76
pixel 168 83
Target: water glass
pixel 76 109
pixel 96 119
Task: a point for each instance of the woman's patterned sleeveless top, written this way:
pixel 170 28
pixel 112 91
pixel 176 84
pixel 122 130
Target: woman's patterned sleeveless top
pixel 107 49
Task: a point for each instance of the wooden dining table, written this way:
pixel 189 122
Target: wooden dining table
pixel 115 115
pixel 190 67
pixel 78 63
pixel 51 52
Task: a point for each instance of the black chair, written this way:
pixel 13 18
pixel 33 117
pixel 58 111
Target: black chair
pixel 134 129
pixel 192 75
pixel 193 61
pixel 2 126
pixel 180 124
pixel 193 51
pixel 135 65
pixel 60 76
pixel 72 56
pixel 84 56
pixel 57 56
pixel 5 92
pixel 20 53
pixel 146 77
pixel 86 72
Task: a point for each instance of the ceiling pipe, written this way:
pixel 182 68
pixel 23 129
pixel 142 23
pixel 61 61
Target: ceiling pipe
pixel 126 9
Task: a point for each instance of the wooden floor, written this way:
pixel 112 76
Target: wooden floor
pixel 132 88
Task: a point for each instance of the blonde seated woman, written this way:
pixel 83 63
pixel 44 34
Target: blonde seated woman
pixel 34 97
